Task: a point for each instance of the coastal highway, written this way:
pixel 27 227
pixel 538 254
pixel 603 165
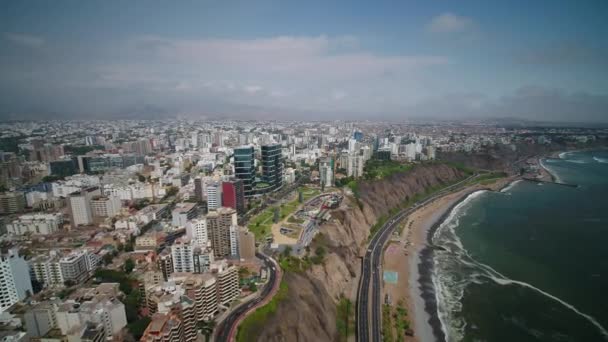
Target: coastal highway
pixel 226 330
pixel 371 271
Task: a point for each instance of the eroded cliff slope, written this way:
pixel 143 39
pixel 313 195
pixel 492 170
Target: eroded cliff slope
pixel 309 312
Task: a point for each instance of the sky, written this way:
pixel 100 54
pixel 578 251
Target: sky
pixel 395 60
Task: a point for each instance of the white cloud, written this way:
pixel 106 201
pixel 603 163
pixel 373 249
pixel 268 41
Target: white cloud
pixel 294 72
pixel 27 40
pixel 449 23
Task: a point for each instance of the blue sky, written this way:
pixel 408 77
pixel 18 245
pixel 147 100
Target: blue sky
pixel 540 60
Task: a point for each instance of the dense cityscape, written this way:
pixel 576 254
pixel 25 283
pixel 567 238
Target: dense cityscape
pixel 156 230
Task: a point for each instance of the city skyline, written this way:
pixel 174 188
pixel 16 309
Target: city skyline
pixel 277 60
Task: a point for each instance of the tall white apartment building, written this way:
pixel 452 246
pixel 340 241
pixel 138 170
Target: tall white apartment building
pixel 80 205
pixel 355 165
pixel 197 231
pixel 214 195
pixel 46 270
pixel 105 206
pixel 182 254
pixel 15 283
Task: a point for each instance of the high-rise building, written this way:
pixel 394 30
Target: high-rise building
pixel 105 206
pixel 11 202
pixel 227 284
pixel 198 189
pixel 182 213
pixel 234 195
pixel 165 263
pixel 75 266
pixel 326 171
pixel 15 283
pixel 64 167
pixel 272 165
pixel 219 224
pixel 202 289
pixel 80 205
pixel 40 319
pixel 197 231
pixel 182 254
pixel 46 271
pixel 214 195
pixel 355 165
pixel 244 168
pixel 164 327
pixel 358 136
pixel 246 244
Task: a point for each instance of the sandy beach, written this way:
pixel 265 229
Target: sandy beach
pixel 402 256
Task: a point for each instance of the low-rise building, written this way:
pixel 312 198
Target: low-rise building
pixel 42 224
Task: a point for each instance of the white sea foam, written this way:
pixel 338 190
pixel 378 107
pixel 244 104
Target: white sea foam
pixel 576 161
pixel 504 281
pixel 601 160
pixel 450 285
pixel 563 155
pixel 510 186
pixel 552 172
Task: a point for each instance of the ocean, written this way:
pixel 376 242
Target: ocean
pixel 529 263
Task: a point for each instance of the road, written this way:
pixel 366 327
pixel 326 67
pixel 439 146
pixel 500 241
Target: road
pixel 226 330
pixel 371 271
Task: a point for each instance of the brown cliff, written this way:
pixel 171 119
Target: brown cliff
pixel 309 313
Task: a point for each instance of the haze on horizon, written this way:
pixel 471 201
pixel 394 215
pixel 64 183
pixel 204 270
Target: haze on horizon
pixel 541 60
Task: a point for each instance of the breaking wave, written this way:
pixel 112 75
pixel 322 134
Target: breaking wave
pixel 601 160
pixel 455 269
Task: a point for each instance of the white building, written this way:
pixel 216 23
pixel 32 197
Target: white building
pixel 182 213
pixel 15 283
pixel 80 205
pixel 197 231
pixel 355 165
pixel 33 197
pixel 110 312
pixel 77 265
pixel 410 151
pixel 214 195
pixel 43 224
pixel 182 253
pixel 46 270
pixel 105 206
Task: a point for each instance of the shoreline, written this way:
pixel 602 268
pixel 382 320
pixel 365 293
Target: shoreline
pixel 419 229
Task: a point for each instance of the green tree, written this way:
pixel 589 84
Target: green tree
pixel 141 178
pixel 275 217
pixel 129 265
pixel 206 328
pixel 107 258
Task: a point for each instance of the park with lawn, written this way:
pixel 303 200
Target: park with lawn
pixel 261 224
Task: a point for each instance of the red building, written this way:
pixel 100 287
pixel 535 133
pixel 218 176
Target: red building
pixel 234 195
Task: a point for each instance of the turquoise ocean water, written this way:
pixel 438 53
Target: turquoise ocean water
pixel 529 263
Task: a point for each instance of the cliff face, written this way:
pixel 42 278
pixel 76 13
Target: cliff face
pixel 309 313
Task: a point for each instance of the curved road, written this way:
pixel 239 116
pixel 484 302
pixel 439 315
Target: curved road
pixel 370 271
pixel 226 330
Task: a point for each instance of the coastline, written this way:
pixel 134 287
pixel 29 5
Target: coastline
pixel 416 286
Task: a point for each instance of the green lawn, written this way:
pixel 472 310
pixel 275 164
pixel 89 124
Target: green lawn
pixel 253 324
pixel 308 193
pixel 261 224
pixel 378 169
